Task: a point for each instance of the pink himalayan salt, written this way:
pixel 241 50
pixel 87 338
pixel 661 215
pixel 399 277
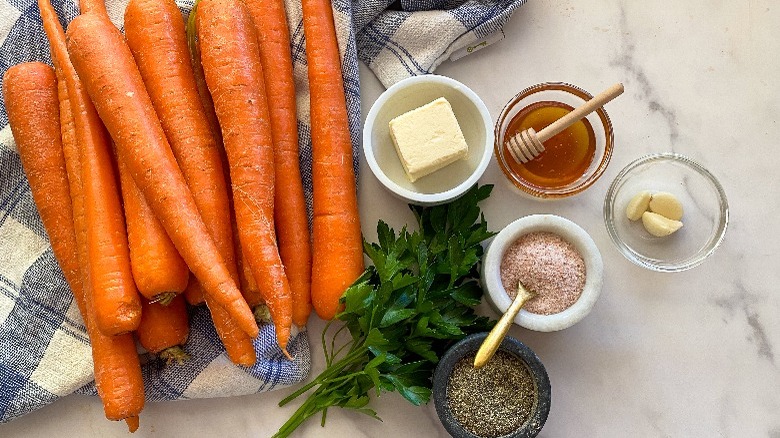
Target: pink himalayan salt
pixel 545 264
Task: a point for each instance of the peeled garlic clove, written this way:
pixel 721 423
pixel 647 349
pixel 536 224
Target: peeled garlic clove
pixel 638 205
pixel 667 205
pixel 658 225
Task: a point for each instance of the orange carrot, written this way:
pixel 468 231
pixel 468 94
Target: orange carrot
pixel 238 345
pixel 194 293
pixel 117 375
pixel 164 329
pixel 93 6
pixel 337 247
pixel 106 66
pixel 69 146
pixel 155 29
pixel 159 271
pixel 231 63
pixel 117 306
pixel 200 79
pixel 32 112
pixel 31 99
pixel 112 356
pixel 292 226
pixel 249 287
pixel 158 268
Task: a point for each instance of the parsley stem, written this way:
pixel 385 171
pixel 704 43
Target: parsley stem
pixel 335 368
pixel 330 356
pixel 306 410
pixel 313 404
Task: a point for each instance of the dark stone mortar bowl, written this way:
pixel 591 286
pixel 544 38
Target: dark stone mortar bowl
pixel 470 345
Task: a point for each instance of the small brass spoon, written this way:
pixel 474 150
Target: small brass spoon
pixel 494 338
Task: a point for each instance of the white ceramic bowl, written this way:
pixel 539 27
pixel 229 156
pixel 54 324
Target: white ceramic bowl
pixel 497 296
pixel 445 184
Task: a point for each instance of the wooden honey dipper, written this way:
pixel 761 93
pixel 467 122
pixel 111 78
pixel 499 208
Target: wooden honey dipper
pixel 527 144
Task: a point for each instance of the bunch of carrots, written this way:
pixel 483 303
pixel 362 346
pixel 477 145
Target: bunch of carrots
pixel 165 168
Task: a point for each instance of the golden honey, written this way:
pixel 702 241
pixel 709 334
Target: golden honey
pixel 566 156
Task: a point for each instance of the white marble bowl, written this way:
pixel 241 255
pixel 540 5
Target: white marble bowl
pixel 497 296
pixel 705 212
pixel 445 184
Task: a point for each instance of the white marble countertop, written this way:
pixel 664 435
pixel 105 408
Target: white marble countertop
pixel 689 354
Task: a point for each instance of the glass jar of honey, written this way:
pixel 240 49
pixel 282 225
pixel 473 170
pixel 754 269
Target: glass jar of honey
pixel 572 160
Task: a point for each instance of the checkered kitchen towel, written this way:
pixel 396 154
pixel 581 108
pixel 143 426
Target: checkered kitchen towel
pixel 44 350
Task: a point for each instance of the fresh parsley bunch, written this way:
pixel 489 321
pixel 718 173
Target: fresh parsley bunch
pixel 404 311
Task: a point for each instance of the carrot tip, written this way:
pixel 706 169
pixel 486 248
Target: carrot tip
pixel 132 423
pixel 287 354
pixel 247 360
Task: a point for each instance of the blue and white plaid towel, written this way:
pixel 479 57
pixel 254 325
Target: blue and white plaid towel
pixel 44 350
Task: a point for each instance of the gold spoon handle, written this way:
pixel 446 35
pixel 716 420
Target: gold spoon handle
pixel 494 338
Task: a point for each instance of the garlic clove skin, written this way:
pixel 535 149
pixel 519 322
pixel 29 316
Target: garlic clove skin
pixel 638 205
pixel 667 205
pixel 658 225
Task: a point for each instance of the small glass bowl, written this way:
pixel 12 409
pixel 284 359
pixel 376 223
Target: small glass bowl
pixel 705 212
pixel 468 346
pixel 574 97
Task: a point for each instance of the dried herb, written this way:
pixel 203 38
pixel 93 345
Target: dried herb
pixel 494 400
pixel 403 312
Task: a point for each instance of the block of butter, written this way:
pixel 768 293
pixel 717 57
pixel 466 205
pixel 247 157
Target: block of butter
pixel 428 138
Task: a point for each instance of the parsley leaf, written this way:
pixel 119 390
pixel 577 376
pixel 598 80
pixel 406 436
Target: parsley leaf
pixel 404 312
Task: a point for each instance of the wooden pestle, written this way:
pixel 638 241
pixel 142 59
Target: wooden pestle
pixel 527 144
